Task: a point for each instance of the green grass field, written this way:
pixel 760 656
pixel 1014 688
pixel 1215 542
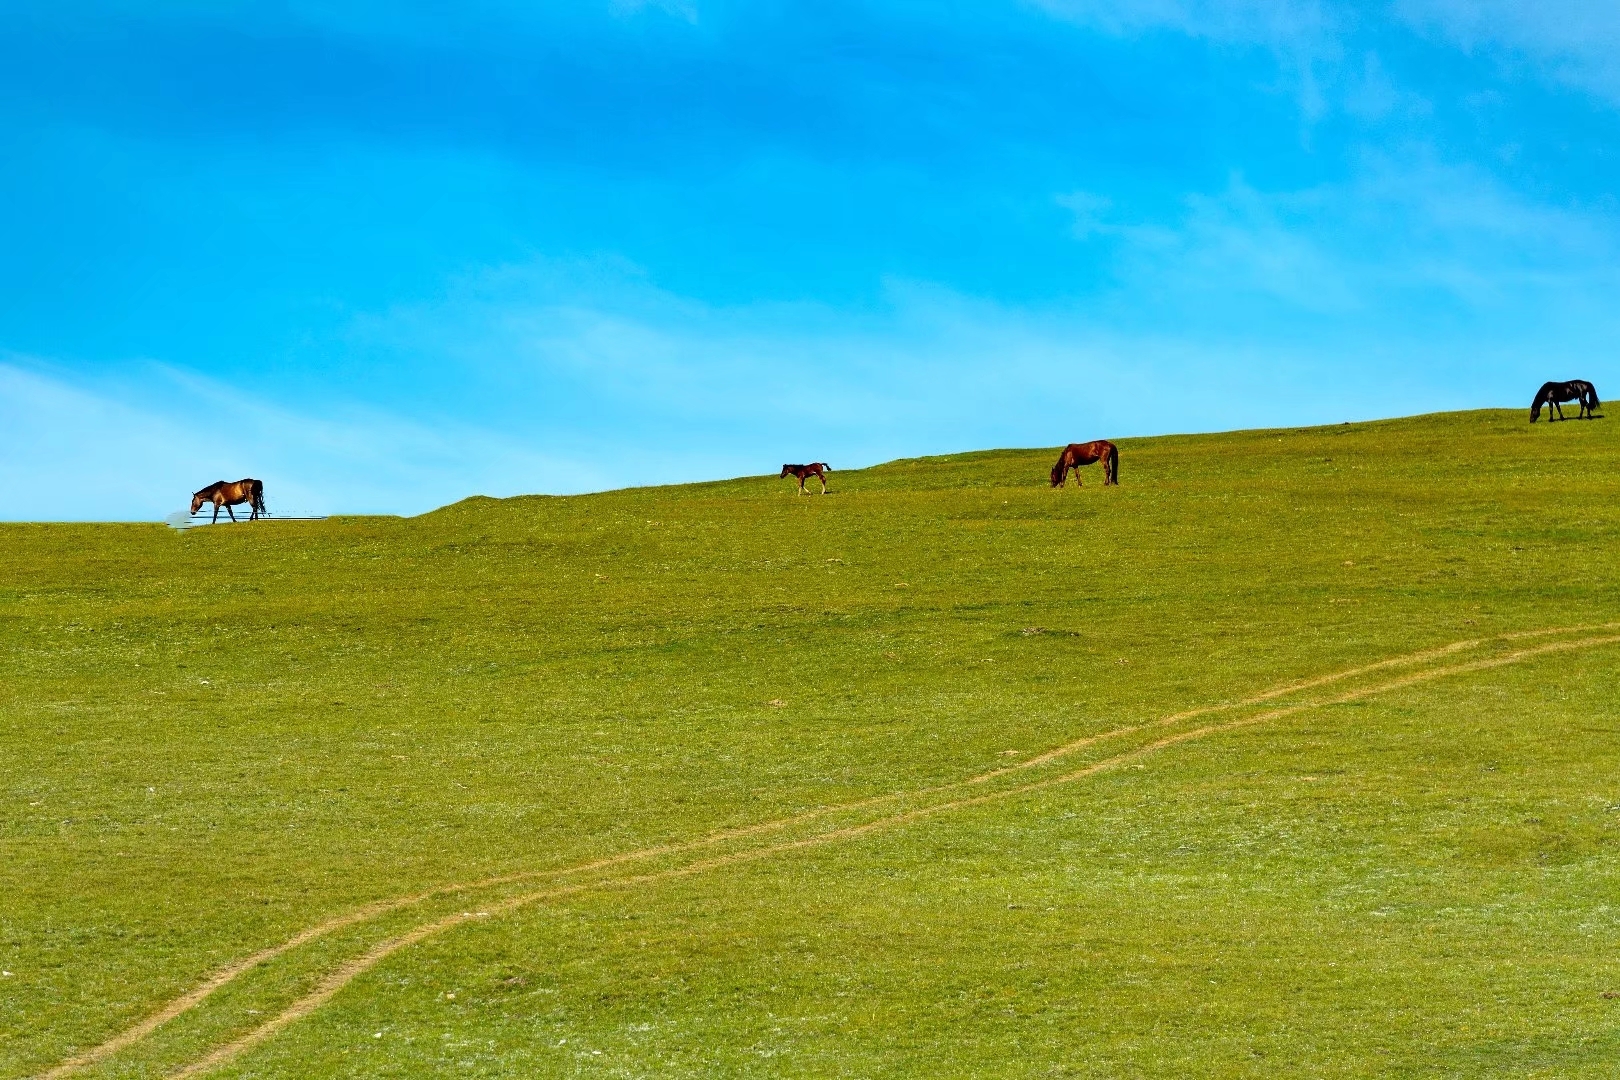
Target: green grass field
pixel 213 741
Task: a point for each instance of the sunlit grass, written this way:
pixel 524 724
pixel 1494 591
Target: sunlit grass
pixel 210 740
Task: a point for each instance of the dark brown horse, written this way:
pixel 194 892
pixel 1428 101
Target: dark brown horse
pixel 817 469
pixel 1077 454
pixel 221 493
pixel 1552 393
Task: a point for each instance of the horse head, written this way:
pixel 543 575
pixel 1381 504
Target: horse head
pixel 205 495
pixel 785 470
pixel 1057 473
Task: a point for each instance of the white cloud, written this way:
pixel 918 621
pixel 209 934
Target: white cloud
pixel 134 446
pixel 1243 307
pixel 1303 35
pixel 1267 22
pixel 1247 307
pixel 1372 95
pixel 1400 235
pixel 1090 213
pixel 1573 41
pixel 680 9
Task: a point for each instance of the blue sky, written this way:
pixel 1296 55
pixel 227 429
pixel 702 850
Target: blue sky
pixel 384 256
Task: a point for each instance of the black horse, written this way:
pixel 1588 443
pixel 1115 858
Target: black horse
pixel 1552 393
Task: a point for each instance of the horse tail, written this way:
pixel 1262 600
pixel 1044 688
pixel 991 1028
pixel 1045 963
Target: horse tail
pixel 258 496
pixel 1113 464
pixel 1592 401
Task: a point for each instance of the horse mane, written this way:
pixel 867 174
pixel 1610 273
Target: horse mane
pixel 1552 393
pixel 1058 470
pixel 1541 398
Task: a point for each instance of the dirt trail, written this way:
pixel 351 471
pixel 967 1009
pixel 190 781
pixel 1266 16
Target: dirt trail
pixel 328 987
pixel 220 978
pixel 346 973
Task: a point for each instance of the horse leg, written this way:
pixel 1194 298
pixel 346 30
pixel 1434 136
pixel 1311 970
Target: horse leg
pixel 823 478
pixel 216 515
pixel 229 511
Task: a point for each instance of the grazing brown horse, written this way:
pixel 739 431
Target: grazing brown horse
pixel 1077 454
pixel 227 495
pixel 817 469
pixel 1553 393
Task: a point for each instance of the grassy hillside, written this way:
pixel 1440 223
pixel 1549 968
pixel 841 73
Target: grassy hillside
pixel 212 741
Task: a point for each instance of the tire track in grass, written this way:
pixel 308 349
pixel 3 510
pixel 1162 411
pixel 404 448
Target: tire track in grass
pixel 348 972
pixel 225 976
pixel 192 998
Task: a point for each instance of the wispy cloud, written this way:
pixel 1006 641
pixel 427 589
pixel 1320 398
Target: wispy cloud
pixel 1090 212
pixel 1263 22
pixel 132 446
pixel 1400 234
pixel 680 9
pixel 1573 41
pixel 1303 35
pixel 507 247
pixel 1242 306
pixel 1475 286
